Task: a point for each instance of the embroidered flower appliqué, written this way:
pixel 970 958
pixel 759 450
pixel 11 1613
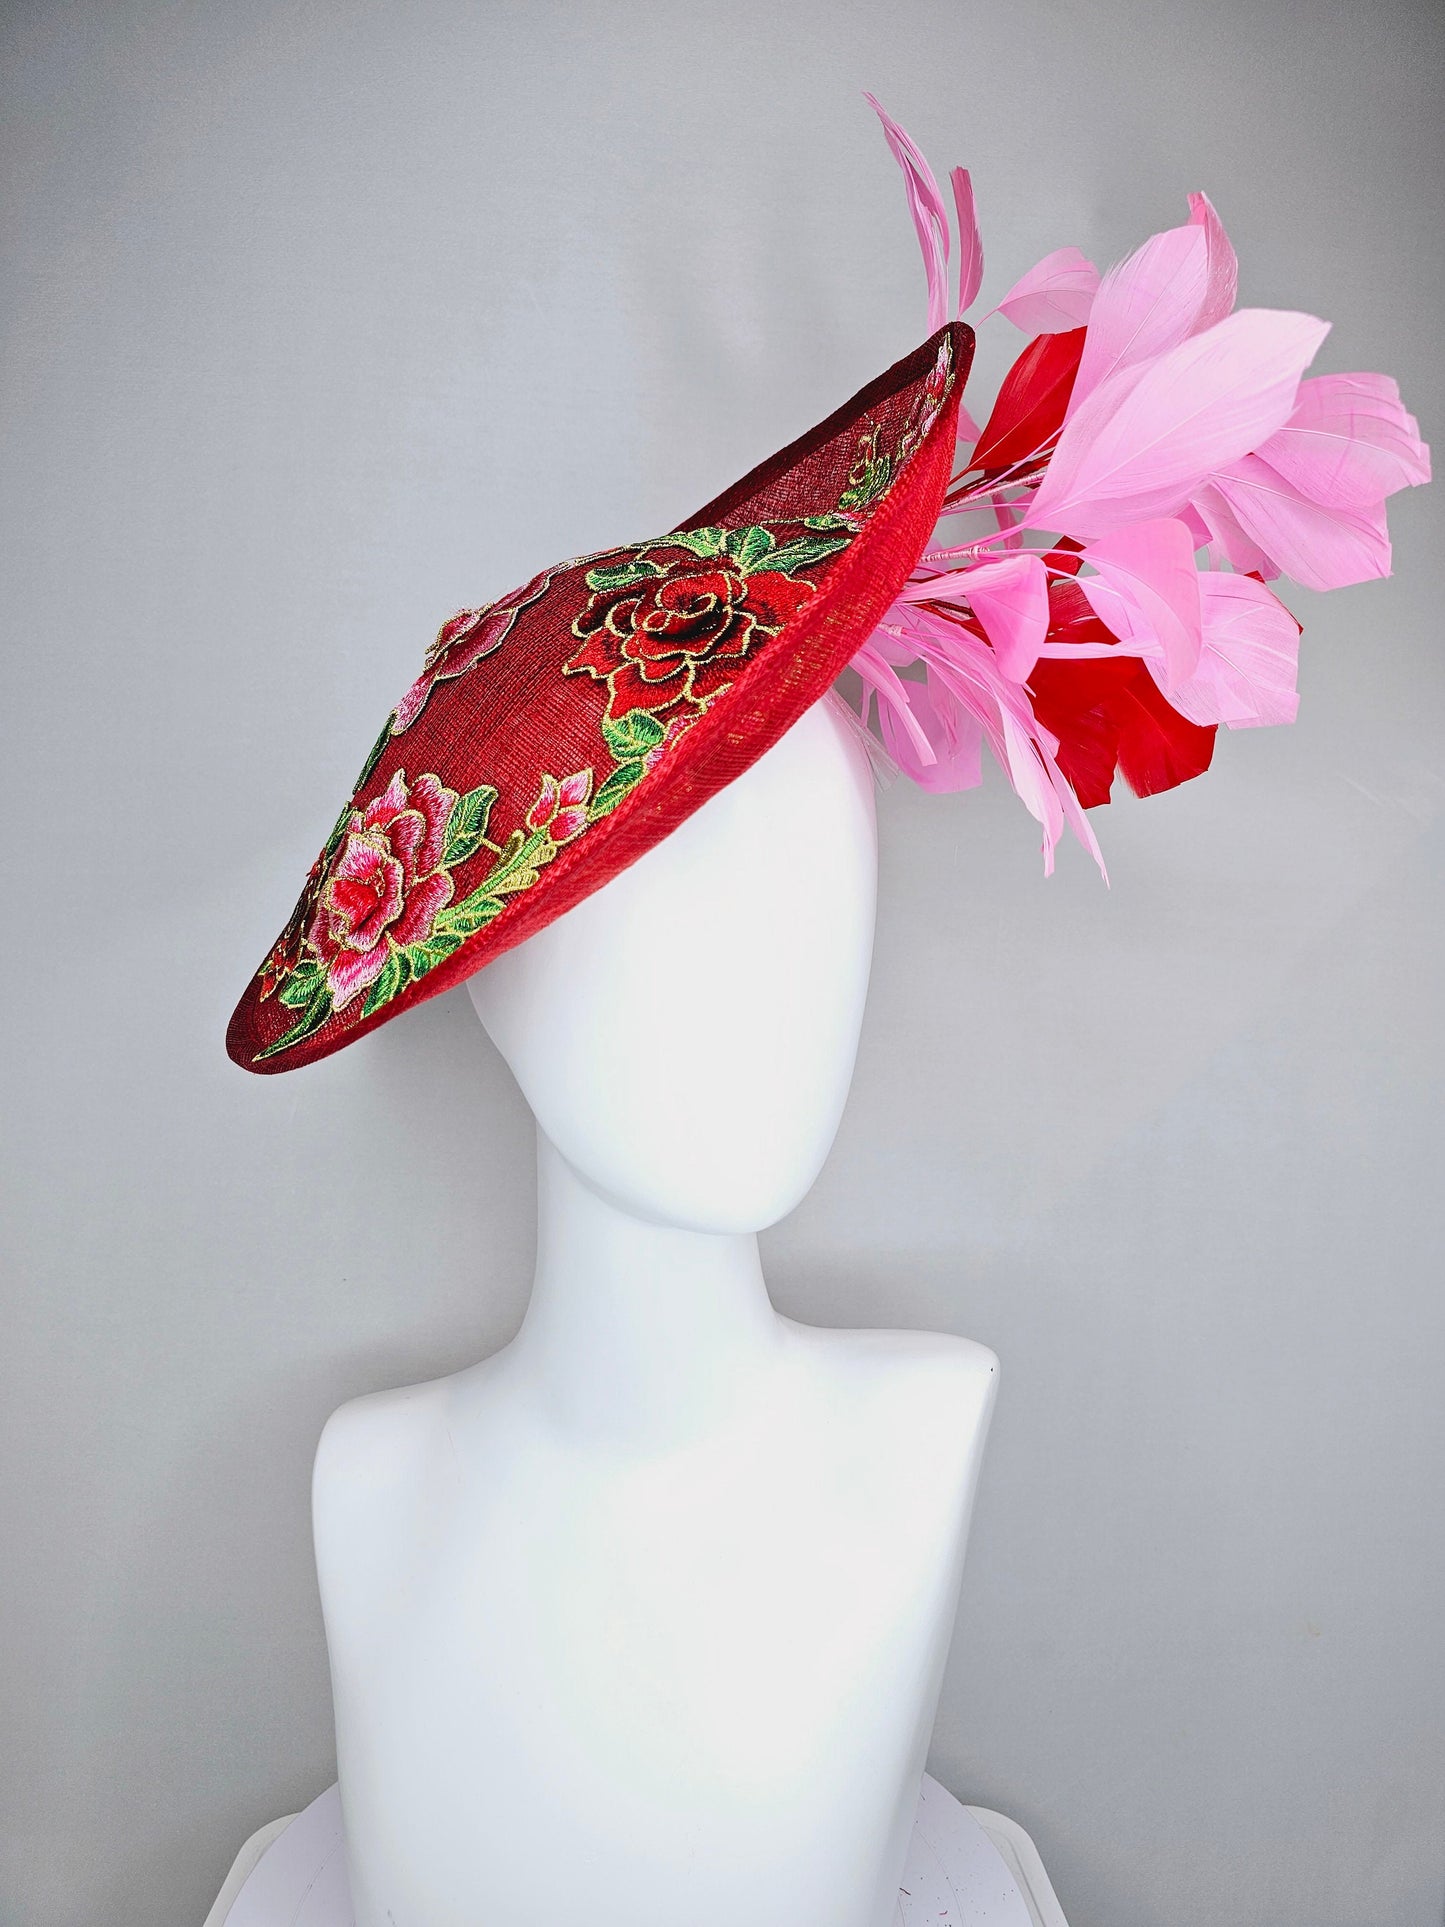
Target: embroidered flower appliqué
pixel 461 643
pixel 672 621
pixel 386 885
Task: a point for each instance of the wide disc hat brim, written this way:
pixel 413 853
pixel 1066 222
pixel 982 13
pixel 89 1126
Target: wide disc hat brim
pixel 559 733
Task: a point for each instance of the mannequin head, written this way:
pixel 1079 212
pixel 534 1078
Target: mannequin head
pixel 686 1035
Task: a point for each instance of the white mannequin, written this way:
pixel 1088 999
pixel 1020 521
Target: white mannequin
pixel 642 1620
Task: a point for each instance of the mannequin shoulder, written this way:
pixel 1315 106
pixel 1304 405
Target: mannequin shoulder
pixel 931 1389
pixel 372 1450
pixel 948 1382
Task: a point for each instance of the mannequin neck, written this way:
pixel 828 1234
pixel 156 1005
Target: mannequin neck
pixel 637 1330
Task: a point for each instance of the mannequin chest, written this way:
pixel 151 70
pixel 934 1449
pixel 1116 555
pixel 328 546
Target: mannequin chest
pixel 539 1636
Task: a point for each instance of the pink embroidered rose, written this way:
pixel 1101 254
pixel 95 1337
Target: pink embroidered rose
pixel 561 807
pixel 461 643
pixel 385 886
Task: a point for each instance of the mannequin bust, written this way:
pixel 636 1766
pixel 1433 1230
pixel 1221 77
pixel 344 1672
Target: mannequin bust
pixel 643 1619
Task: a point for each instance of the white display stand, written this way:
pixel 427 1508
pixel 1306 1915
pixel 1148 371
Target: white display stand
pixel 966 1867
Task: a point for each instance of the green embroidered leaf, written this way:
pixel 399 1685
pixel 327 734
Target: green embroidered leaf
pixel 300 987
pixel 622 575
pixel 520 862
pixel 338 830
pixel 707 543
pixel 393 976
pixel 318 1009
pixel 467 825
pixel 868 480
pixel 619 783
pixel 461 920
pixel 631 736
pixel 507 860
pixel 804 550
pixel 374 754
pixel 435 949
pixel 515 869
pixel 749 547
pixel 832 520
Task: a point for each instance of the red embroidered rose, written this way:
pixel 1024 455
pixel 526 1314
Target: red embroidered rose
pixel 561 808
pixel 660 630
pixel 461 643
pixel 385 886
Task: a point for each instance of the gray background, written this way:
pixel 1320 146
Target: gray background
pixel 324 319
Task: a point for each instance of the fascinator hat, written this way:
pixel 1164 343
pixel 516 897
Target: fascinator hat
pixel 1081 585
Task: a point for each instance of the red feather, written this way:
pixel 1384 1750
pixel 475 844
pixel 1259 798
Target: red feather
pixel 1071 615
pixel 1067 555
pixel 1107 713
pixel 1031 402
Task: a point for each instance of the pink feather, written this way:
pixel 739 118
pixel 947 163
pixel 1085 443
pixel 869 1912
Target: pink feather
pixel 965 681
pixel 1324 548
pixel 1223 266
pixel 1227 541
pixel 1055 295
pixel 1030 777
pixel 1150 434
pixel 955 733
pixel 1247 667
pixel 904 736
pixel 925 204
pixel 1145 304
pixel 1010 598
pixel 1196 525
pixel 1147 586
pixel 1349 442
pixel 970 242
pixel 964 668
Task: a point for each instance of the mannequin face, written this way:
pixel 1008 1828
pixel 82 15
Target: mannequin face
pixel 686 1034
